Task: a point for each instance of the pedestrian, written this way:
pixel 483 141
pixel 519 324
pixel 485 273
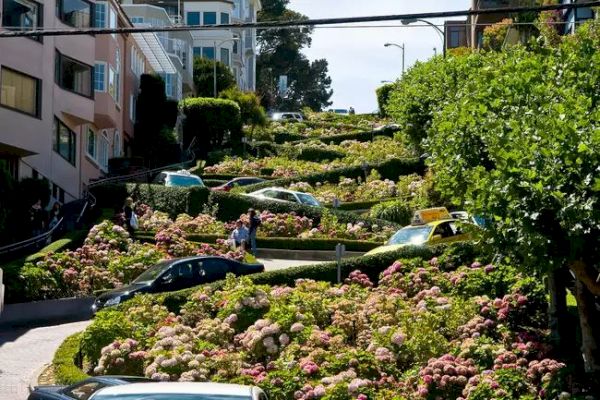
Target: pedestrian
pixel 55 215
pixel 239 236
pixel 253 226
pixel 131 220
pixel 37 218
pixel 351 111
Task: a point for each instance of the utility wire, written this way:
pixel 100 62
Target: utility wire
pixel 298 23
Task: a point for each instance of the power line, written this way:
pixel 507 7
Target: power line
pixel 299 23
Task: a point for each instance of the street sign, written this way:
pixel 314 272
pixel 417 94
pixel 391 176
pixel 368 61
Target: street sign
pixel 283 85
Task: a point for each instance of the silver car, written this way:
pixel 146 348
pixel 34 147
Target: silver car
pixel 180 391
pixel 285 195
pixel 287 116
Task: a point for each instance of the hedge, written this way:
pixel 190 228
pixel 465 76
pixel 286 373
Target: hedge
pixel 11 271
pixel 231 206
pixel 389 169
pixel 64 363
pixel 227 177
pixel 361 205
pixel 214 182
pixel 172 200
pixel 284 243
pixel 383 96
pixel 371 265
pixel 364 136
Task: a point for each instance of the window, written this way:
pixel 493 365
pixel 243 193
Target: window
pixel 91 143
pixel 76 13
pixel 20 92
pixel 210 18
pixel 103 150
pixel 193 18
pixel 112 20
pixel 117 144
pixel 225 56
pixel 211 270
pixel 208 52
pixel 112 87
pixel 23 14
pixel 100 15
pixel 237 9
pixel 224 18
pixel 137 20
pixel 73 75
pixel 132 107
pixel 64 141
pixel 84 390
pixel 117 75
pixel 235 46
pixel 197 51
pixel 100 77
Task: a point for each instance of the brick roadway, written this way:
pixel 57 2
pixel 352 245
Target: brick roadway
pixel 24 351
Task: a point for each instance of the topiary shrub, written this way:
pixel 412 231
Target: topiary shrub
pixel 383 96
pixel 398 211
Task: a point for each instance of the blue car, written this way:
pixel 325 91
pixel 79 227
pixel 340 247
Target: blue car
pixel 82 390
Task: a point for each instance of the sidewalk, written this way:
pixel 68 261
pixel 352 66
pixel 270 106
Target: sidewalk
pixel 24 351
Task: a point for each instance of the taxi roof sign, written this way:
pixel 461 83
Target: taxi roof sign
pixel 430 215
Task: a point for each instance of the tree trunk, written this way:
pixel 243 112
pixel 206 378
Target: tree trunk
pixel 557 312
pixel 587 275
pixel 589 320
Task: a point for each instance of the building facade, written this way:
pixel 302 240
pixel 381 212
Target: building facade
pixel 65 104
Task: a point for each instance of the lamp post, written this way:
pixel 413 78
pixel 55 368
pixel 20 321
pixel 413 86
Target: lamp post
pixel 437 29
pixel 401 47
pixel 215 62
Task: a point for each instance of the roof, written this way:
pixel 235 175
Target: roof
pixel 154 52
pixel 206 388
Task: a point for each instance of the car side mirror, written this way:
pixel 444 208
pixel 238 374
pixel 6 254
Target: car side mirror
pixel 436 237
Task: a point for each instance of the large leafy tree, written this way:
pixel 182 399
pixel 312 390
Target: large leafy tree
pixel 280 54
pixel 204 77
pixel 515 136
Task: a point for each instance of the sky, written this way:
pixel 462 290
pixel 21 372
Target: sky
pixel 358 60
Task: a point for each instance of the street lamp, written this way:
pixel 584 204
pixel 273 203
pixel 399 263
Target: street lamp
pixel 215 62
pixel 437 29
pixel 401 47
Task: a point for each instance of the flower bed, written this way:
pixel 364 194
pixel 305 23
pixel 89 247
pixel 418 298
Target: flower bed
pixel 426 331
pixel 108 259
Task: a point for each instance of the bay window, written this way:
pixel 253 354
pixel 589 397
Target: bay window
pixel 25 15
pixel 73 75
pixel 76 13
pixel 209 18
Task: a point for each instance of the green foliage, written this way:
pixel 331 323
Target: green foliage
pixel 172 200
pixel 398 211
pixel 361 136
pixel 154 139
pixel 210 121
pixel 251 111
pixel 64 363
pixel 383 96
pixel 494 36
pixel 204 77
pixel 107 326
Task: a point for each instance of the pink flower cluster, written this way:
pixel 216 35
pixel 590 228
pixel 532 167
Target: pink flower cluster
pixel 358 278
pixel 447 373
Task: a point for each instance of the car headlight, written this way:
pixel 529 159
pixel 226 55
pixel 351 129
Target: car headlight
pixel 113 302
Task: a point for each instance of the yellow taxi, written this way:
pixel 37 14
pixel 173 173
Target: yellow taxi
pixel 429 227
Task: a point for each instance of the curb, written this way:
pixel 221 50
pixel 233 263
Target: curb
pixel 310 255
pixel 33 381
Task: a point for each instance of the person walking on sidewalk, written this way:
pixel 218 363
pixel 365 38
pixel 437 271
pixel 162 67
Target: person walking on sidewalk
pixel 254 224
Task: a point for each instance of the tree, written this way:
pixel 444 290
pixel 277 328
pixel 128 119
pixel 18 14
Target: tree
pixel 513 135
pixel 204 77
pixel 156 117
pixel 280 54
pixel 251 112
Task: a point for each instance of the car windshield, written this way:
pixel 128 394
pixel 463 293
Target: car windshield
pixel 153 272
pixel 414 235
pixel 308 199
pixel 169 397
pixel 182 180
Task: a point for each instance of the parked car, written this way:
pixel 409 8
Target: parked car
pixel 181 391
pixel 82 390
pixel 285 195
pixel 241 181
pixel 177 274
pixel 182 178
pixel 430 227
pixel 287 116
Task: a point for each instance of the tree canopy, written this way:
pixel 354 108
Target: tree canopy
pixel 280 54
pixel 204 77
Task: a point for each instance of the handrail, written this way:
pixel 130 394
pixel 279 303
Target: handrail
pixel 33 240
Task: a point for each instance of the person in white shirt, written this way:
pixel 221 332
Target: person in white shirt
pixel 240 235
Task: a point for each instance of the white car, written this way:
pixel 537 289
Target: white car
pixel 182 178
pixel 180 391
pixel 287 116
pixel 285 195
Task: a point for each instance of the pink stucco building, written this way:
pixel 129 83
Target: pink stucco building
pixel 67 103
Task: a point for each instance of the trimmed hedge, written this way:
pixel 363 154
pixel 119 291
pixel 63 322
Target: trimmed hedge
pixel 64 363
pixel 283 243
pixel 231 206
pixel 14 286
pixel 360 205
pixel 227 177
pixel 172 200
pixel 214 182
pixel 285 137
pixel 364 136
pixel 455 253
pixel 389 169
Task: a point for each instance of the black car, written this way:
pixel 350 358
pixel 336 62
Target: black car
pixel 81 390
pixel 177 274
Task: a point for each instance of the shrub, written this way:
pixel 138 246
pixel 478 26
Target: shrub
pixel 107 326
pixel 172 200
pixel 210 120
pixel 64 363
pixel 398 211
pixel 251 112
pixel 383 96
pixel 204 76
